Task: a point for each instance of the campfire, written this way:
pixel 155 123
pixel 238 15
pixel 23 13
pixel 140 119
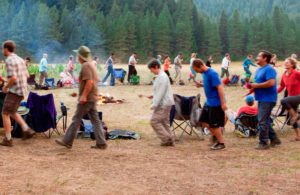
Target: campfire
pixel 107 99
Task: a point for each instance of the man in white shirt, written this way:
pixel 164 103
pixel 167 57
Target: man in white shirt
pixel 225 66
pixel 131 66
pixel 163 101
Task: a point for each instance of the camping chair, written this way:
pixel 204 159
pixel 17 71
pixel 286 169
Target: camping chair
pixel 43 114
pixel 185 115
pixel 50 82
pixel 281 118
pixel 246 125
pixel 120 74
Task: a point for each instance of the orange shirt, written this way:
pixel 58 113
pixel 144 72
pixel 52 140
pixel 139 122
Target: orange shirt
pixel 167 64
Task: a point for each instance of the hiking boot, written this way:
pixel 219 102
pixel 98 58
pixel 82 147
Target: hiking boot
pixel 218 146
pixel 262 146
pixel 100 147
pixel 6 142
pixel 275 142
pixel 167 144
pixel 62 143
pixel 28 134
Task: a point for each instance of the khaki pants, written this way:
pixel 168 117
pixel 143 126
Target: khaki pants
pixel 160 123
pixel 177 73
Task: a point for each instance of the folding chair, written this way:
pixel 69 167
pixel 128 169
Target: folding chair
pixel 181 114
pixel 281 118
pixel 120 74
pixel 50 82
pixel 43 114
pixel 247 125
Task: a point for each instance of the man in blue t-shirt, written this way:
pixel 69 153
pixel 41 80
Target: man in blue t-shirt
pixel 213 114
pixel 266 94
pixel 246 64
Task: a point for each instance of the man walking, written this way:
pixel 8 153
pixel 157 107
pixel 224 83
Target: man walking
pixel 110 70
pixel 88 93
pixel 43 69
pixel 131 66
pixel 246 64
pixel 163 101
pixel 15 90
pixel 213 114
pixel 225 66
pixel 266 94
pixel 178 67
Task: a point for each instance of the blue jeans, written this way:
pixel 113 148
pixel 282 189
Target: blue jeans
pixel 265 129
pixel 111 73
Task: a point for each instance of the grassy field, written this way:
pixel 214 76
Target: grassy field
pixel 39 166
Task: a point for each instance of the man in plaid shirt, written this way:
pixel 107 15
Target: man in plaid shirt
pixel 15 90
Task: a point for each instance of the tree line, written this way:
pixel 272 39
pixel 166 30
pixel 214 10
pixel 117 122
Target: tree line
pixel 147 27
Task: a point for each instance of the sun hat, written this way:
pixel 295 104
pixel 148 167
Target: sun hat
pixel 84 53
pixel 249 99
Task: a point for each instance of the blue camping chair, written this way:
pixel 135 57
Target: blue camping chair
pixel 120 74
pixel 50 82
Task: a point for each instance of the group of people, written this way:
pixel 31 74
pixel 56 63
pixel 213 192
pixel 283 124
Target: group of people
pixel 215 108
pixel 213 113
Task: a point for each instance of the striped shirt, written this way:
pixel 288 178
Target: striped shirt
pixel 16 66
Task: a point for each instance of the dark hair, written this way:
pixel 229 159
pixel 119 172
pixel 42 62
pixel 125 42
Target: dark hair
pixel 112 54
pixel 250 55
pixel 28 59
pixel 227 54
pixel 166 56
pixel 180 54
pixel 268 55
pixel 153 64
pixel 96 58
pixel 9 45
pixel 250 103
pixel 198 63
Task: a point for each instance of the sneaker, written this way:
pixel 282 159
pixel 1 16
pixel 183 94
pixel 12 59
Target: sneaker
pixel 62 143
pixel 218 146
pixel 28 134
pixel 261 146
pixel 6 142
pixel 275 142
pixel 100 147
pixel 167 144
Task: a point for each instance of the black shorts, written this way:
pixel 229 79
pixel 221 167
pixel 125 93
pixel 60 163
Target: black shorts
pixel 213 116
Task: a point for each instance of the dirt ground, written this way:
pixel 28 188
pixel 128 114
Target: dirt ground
pixel 39 166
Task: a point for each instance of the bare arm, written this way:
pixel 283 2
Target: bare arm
pixel 11 81
pixel 267 84
pixel 222 97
